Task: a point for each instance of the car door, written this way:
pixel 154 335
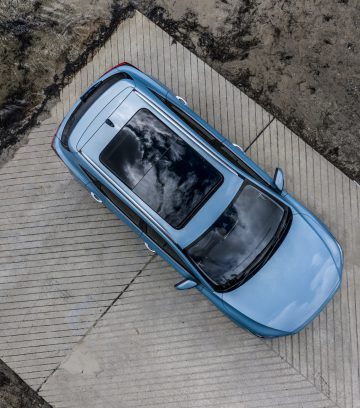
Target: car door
pixel 170 255
pixel 102 194
pixel 233 153
pixel 164 249
pixel 154 240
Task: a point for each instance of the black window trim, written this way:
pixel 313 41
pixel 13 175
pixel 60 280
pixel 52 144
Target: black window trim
pixel 118 189
pixel 143 225
pixel 128 212
pixel 163 247
pixel 212 140
pixel 100 186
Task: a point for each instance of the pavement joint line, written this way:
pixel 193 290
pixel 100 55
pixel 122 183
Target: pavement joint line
pixel 260 134
pixel 278 354
pixel 264 341
pixel 99 318
pixel 326 354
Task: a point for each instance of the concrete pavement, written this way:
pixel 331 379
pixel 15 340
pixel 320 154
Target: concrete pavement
pixel 73 323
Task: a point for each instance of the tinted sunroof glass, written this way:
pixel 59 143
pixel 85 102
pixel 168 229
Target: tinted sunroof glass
pixel 162 169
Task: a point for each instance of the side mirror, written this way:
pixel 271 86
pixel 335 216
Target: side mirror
pixel 185 284
pixel 278 180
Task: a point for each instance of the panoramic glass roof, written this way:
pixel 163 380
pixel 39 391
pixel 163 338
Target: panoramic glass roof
pixel 163 170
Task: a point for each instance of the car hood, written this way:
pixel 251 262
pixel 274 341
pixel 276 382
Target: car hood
pixel 294 285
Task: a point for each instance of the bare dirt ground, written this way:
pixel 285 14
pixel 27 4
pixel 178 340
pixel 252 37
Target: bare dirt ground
pixel 42 43
pixel 14 393
pixel 300 59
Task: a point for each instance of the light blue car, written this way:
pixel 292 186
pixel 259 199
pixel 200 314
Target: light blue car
pixel 197 200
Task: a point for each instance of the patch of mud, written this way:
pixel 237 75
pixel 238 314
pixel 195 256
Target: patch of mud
pixel 15 393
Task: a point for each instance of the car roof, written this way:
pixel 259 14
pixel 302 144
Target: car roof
pixel 99 136
pixel 162 169
pixel 98 112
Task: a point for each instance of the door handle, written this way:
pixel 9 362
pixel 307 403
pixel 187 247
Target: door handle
pixel 179 98
pixel 95 197
pixel 236 145
pixel 148 248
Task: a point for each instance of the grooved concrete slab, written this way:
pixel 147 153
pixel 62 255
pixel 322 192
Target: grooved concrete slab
pixel 89 318
pixel 63 259
pixel 327 352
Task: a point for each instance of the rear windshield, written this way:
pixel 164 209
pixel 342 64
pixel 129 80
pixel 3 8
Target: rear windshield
pixel 163 170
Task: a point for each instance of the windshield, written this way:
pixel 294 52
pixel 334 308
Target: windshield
pixel 238 237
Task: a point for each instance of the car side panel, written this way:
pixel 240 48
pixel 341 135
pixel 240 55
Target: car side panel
pixel 112 207
pixel 246 159
pixel 172 98
pixel 238 152
pixel 184 273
